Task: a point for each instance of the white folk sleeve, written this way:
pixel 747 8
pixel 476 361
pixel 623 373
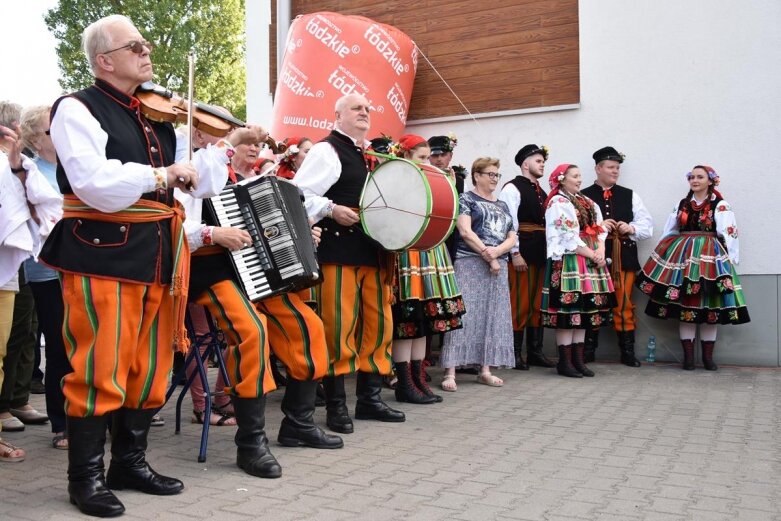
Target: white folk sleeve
pixel 671 224
pixel 562 230
pixel 105 184
pixel 319 171
pixel 193 227
pixel 642 221
pixel 727 228
pixel 211 163
pixel 512 198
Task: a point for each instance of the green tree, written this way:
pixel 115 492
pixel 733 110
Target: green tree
pixel 213 29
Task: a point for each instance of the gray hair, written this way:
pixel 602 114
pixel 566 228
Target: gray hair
pixel 9 113
pixel 96 38
pixel 33 119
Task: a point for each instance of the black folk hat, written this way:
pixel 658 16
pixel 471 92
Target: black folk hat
pixel 440 145
pixel 608 153
pixel 530 150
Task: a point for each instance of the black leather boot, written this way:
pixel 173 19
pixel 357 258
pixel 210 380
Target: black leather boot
pixel 320 396
pixel 626 343
pixel 419 379
pixel 565 367
pixel 534 354
pixel 590 345
pixel 577 360
pixel 129 469
pixel 279 379
pixel 707 354
pixel 337 417
pixel 86 483
pixel 688 354
pixel 406 390
pixel 298 427
pixel 370 405
pixel 520 365
pixel 253 455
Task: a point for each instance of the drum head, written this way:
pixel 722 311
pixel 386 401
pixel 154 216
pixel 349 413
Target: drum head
pixel 395 204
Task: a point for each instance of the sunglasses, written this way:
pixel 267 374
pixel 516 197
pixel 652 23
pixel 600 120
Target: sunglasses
pixel 134 46
pixel 492 175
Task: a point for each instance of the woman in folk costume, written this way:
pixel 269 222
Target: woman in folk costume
pixel 297 148
pixel 690 276
pixel 577 292
pixel 426 300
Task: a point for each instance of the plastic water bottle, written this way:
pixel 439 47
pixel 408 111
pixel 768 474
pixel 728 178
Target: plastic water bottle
pixel 651 350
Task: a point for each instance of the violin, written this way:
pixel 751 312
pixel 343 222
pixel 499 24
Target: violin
pixel 162 105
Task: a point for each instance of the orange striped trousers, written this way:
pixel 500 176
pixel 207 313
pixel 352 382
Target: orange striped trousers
pixel 526 296
pixel 624 312
pixel 296 336
pixel 354 303
pixel 119 337
pixel 245 329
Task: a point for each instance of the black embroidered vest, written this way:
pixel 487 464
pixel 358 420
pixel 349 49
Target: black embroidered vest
pixel 618 207
pixel 532 245
pixel 137 252
pixel 347 245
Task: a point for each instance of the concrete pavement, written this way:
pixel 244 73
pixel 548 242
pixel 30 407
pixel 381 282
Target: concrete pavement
pixel 655 443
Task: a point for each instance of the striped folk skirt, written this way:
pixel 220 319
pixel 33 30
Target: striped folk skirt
pixel 426 295
pixel 576 294
pixel 690 278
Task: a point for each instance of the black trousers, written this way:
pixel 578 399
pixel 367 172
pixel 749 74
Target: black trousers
pixel 50 309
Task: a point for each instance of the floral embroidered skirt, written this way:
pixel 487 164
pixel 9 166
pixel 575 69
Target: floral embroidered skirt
pixel 427 299
pixel 487 335
pixel 690 278
pixel 576 294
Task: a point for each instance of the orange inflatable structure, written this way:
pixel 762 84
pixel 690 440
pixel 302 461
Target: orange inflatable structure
pixel 328 55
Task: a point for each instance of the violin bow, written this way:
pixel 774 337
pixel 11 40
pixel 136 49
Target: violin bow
pixel 190 102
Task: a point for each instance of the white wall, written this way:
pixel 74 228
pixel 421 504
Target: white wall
pixel 671 84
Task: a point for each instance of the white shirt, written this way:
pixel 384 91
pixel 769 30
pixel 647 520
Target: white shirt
pixel 21 236
pixel 109 185
pixel 320 170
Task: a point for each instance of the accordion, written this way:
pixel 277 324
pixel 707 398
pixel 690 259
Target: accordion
pixel 282 257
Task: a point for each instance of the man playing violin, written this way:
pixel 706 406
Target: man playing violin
pixel 354 299
pixel 124 262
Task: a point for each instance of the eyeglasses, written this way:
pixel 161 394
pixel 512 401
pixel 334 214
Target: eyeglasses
pixel 492 175
pixel 135 46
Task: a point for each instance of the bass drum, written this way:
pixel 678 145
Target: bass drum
pixel 408 206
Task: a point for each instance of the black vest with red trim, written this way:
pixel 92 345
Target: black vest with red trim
pixel 532 245
pixel 339 244
pixel 619 208
pixel 137 252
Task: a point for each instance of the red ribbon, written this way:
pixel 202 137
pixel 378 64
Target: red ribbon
pixel 607 194
pixel 592 230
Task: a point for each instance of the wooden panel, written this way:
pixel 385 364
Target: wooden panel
pixel 497 56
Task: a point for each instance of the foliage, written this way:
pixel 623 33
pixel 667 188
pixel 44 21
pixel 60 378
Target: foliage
pixel 214 29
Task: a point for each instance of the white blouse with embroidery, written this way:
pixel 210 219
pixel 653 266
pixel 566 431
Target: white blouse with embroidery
pixel 562 229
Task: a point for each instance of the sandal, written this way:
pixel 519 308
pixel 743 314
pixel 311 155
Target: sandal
pixel 449 383
pixel 157 421
pixel 217 419
pixel 225 410
pixel 60 441
pixel 7 452
pixel 490 380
